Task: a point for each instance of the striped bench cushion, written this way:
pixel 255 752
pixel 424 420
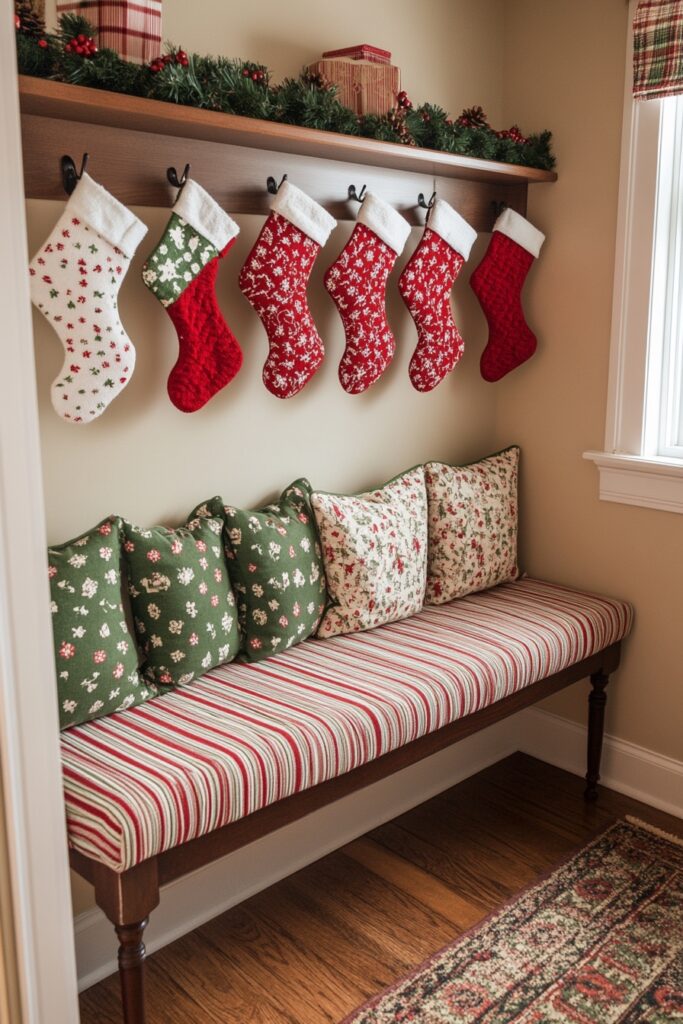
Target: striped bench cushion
pixel 243 736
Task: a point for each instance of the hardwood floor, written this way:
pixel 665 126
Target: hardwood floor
pixel 314 946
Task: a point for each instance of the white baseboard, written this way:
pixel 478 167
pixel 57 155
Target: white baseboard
pixel 627 768
pixel 196 898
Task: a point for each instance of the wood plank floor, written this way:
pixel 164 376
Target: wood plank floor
pixel 313 947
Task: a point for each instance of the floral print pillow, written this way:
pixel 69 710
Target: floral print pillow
pixel 472 525
pixel 95 653
pixel 276 568
pixel 375 553
pixel 183 605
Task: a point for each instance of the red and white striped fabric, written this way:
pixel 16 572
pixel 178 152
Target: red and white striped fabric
pixel 130 27
pixel 246 735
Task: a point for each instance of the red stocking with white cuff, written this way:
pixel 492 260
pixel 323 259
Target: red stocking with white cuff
pixel 425 286
pixel 274 280
pixel 497 282
pixel 357 283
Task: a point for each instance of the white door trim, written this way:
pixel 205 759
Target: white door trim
pixel 29 736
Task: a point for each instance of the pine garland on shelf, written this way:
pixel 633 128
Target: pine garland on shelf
pixel 243 87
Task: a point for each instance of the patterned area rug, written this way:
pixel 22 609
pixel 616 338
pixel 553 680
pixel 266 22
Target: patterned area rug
pixel 598 941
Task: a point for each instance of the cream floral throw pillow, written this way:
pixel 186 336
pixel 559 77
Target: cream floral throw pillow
pixel 375 553
pixel 472 526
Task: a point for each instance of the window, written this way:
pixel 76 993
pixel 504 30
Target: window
pixel 642 463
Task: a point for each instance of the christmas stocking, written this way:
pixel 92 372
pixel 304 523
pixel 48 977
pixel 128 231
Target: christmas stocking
pixel 425 286
pixel 75 279
pixel 497 282
pixel 357 283
pixel 182 274
pixel 274 280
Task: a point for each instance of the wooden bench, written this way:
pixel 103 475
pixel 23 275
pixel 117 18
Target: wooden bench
pixel 128 896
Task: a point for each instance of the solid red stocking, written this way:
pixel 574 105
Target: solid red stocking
pixel 497 282
pixel 357 283
pixel 182 274
pixel 274 280
pixel 425 286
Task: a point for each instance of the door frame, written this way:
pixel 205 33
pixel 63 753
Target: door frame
pixel 30 771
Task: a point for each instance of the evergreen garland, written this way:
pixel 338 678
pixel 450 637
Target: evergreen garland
pixel 243 87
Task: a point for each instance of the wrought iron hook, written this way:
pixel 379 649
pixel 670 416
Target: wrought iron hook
pixel 177 182
pixel 70 176
pixel 272 186
pixel 422 202
pixel 357 197
pixel 498 208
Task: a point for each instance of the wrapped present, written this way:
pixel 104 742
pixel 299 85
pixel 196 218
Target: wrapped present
pixel 363 51
pixel 368 83
pixel 133 29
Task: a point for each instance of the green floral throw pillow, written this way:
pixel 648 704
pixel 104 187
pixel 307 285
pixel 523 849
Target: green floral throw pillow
pixel 276 568
pixel 183 604
pixel 472 525
pixel 96 656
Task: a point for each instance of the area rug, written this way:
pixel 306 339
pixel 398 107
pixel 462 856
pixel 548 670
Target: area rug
pixel 600 940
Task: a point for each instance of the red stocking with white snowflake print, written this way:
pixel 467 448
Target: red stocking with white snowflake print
pixel 357 282
pixel 75 279
pixel 497 282
pixel 274 280
pixel 425 286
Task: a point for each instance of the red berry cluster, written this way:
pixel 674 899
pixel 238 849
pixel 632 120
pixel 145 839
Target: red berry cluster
pixel 83 45
pixel 404 100
pixel 177 57
pixel 514 134
pixel 254 71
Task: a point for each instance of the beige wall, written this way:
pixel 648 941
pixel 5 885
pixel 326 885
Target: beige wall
pixel 148 461
pixel 572 79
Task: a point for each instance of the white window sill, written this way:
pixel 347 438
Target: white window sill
pixel 635 480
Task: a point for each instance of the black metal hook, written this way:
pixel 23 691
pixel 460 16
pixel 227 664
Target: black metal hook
pixel 498 208
pixel 70 176
pixel 422 202
pixel 357 197
pixel 177 182
pixel 273 186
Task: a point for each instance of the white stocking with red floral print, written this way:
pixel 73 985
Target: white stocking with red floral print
pixel 425 286
pixel 357 282
pixel 75 280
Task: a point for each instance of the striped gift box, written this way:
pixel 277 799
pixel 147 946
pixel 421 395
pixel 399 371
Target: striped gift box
pixel 364 86
pixel 132 29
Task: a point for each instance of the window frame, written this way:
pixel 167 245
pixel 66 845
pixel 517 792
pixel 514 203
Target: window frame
pixel 629 471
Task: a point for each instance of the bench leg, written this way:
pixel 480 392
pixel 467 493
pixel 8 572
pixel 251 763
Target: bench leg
pixel 128 899
pixel 132 971
pixel 596 724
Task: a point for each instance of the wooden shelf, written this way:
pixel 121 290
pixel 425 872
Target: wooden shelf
pixel 131 141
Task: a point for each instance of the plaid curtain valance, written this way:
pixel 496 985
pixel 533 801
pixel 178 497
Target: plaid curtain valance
pixel 658 49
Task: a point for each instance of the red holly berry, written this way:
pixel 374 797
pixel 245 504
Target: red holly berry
pixel 245 72
pixel 17 21
pixel 42 43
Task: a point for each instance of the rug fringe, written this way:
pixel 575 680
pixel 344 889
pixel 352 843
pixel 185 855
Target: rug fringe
pixel 669 836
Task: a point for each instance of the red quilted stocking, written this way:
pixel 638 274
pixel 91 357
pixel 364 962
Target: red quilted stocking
pixel 425 286
pixel 357 283
pixel 497 282
pixel 274 280
pixel 182 274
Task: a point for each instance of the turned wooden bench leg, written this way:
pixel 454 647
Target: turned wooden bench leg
pixel 132 970
pixel 597 700
pixel 127 899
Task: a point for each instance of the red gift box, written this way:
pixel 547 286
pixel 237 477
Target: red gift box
pixel 363 51
pixel 132 29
